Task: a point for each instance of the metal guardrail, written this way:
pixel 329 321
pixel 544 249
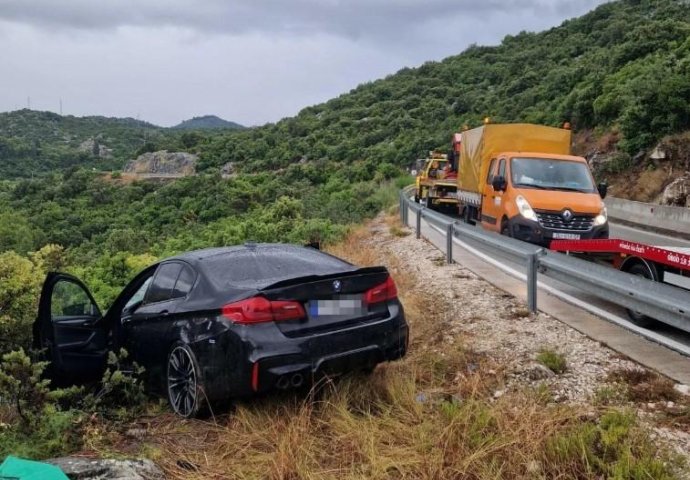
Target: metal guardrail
pixel 662 302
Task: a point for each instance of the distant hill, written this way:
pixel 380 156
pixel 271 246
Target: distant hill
pixel 208 122
pixel 34 143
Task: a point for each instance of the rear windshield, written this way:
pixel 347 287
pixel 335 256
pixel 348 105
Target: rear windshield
pixel 261 267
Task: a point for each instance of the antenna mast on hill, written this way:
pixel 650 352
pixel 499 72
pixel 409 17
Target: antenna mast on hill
pixel 61 107
pixel 28 103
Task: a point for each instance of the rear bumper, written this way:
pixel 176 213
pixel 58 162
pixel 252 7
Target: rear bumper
pixel 532 232
pixel 259 358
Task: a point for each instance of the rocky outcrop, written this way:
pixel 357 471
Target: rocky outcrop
pixel 597 159
pixel 163 163
pixel 676 192
pixel 227 170
pixel 94 147
pixel 77 468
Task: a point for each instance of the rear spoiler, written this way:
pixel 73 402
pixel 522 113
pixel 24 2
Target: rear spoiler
pixel 318 278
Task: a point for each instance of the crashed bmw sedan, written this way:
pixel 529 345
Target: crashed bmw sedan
pixel 222 323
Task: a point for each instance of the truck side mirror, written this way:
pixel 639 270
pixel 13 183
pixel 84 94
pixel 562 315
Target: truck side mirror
pixel 499 183
pixel 603 188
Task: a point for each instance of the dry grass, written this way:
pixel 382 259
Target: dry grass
pixel 429 416
pixel 398 232
pixel 645 385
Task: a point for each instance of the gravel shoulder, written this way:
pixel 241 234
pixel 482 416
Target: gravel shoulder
pixel 494 323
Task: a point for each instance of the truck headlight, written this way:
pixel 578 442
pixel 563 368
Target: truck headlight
pixel 525 209
pixel 601 218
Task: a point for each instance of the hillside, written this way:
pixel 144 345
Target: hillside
pixel 207 122
pixel 625 65
pixel 34 143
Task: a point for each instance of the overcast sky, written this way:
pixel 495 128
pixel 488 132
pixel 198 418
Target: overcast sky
pixel 250 61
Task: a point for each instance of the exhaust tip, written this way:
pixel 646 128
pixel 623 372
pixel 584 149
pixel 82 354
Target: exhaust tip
pixel 283 382
pixel 297 380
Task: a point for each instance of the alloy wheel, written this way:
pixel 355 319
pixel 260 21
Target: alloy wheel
pixel 182 382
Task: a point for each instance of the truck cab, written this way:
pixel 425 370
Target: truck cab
pixel 437 184
pixel 539 197
pixel 431 169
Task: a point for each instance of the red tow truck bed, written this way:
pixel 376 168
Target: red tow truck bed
pixel 676 257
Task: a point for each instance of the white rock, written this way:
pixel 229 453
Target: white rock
pixel 684 389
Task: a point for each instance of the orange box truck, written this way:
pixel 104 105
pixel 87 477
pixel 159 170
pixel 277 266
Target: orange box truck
pixel 521 180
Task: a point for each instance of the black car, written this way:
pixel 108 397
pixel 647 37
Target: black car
pixel 230 322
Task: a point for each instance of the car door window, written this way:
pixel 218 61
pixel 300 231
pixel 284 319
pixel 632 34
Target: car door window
pixel 69 299
pixel 184 282
pixel 139 295
pixel 163 283
pixel 490 173
pixel 502 168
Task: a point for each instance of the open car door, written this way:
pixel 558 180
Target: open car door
pixel 71 330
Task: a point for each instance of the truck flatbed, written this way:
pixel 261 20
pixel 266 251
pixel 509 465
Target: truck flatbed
pixel 676 257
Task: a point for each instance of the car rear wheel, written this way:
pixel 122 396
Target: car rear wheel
pixel 185 387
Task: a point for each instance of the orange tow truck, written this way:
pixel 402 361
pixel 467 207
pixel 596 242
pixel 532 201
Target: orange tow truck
pixel 436 183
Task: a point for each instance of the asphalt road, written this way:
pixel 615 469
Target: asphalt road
pixel 642 236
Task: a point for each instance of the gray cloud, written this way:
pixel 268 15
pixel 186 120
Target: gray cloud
pixel 349 18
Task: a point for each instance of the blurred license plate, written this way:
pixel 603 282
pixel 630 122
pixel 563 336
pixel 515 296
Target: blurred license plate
pixel 341 306
pixel 566 236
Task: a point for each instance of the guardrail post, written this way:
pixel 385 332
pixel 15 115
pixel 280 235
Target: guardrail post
pixel 449 243
pixel 532 270
pixel 419 222
pixel 406 213
pixel 532 282
pixel 401 205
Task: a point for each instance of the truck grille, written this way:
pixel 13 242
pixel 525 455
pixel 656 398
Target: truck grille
pixel 556 221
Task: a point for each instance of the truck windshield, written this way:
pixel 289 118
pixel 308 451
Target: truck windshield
pixel 551 174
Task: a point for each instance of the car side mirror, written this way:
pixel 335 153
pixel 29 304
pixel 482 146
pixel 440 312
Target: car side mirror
pixel 315 244
pixel 499 183
pixel 603 188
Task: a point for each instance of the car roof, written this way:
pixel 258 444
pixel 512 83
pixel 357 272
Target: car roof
pixel 211 254
pixel 259 265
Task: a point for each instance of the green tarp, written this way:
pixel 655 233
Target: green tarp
pixel 17 469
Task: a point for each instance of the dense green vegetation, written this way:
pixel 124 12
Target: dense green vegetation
pixel 35 143
pixel 207 122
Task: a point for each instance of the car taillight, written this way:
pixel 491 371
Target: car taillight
pixel 260 309
pixel 380 293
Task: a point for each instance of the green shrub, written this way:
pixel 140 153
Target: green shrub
pixel 121 394
pixel 553 360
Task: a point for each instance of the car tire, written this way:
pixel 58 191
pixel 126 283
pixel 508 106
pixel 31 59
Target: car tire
pixel 184 383
pixel 505 229
pixel 639 319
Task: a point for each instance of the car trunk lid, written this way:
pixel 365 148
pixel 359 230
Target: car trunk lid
pixel 333 301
